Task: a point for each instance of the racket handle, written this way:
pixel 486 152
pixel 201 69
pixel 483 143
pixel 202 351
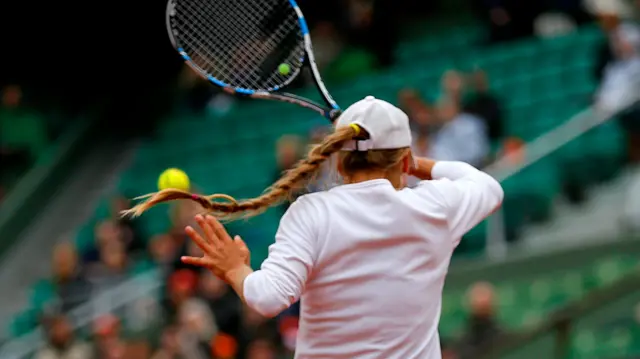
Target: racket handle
pixel 334 114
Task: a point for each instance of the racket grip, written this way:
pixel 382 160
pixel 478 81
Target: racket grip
pixel 334 114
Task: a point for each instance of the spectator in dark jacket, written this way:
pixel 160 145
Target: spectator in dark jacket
pixel 71 287
pixel 482 327
pixel 485 105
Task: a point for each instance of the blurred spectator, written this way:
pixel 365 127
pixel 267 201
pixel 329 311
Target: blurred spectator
pixel 23 136
pixel 196 92
pixel 164 252
pixel 196 329
pixel 482 327
pixel 256 327
pixel 452 86
pixel 288 326
pixel 608 23
pixel 448 352
pixel 371 25
pixel 421 116
pixel 508 19
pixel 169 348
pixel 105 233
pixel 110 344
pixel 130 233
pixel 288 152
pixel 462 136
pixel 181 286
pixel 223 302
pixel 182 215
pixel 61 343
pixel 575 9
pixel 328 43
pixel 112 268
pixel 409 100
pixel 225 347
pixel 261 349
pixel 622 9
pixel 485 105
pixel 425 127
pixel 71 287
pixel 621 84
pixel 552 24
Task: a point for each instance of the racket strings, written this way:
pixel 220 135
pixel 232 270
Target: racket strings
pixel 209 58
pixel 241 43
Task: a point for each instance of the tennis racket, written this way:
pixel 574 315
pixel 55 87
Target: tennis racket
pixel 250 48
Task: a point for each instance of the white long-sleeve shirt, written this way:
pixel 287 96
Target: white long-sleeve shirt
pixel 368 263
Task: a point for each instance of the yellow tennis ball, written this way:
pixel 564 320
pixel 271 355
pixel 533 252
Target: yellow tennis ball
pixel 284 69
pixel 173 178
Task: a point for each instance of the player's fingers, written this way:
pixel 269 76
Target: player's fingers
pixel 199 241
pixel 196 261
pixel 240 243
pixel 244 247
pixel 221 233
pixel 209 233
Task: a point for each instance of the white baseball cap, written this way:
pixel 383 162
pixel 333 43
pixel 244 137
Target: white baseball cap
pixel 387 125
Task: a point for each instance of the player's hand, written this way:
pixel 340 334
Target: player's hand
pixel 222 254
pixel 422 168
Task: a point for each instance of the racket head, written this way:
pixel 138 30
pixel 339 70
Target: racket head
pixel 240 45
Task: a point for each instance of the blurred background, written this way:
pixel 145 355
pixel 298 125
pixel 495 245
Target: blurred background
pixel 96 104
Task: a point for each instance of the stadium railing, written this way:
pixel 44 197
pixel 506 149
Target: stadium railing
pixel 42 180
pixel 103 303
pixel 560 323
pixel 504 167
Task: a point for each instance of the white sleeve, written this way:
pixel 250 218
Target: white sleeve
pixel 283 275
pixel 468 194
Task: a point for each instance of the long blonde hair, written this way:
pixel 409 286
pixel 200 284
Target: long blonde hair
pixel 225 207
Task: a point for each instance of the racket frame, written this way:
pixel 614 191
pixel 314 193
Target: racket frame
pixel 331 111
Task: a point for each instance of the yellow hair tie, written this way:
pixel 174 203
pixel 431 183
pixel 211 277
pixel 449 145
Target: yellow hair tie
pixel 355 128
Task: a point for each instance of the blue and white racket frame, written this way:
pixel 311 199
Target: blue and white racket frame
pixel 331 111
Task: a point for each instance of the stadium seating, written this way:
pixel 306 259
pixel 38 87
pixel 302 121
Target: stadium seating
pixel 620 341
pixel 525 301
pixel 543 82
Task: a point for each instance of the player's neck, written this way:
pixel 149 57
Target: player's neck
pixel 374 175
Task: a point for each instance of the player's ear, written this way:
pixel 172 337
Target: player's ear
pixel 407 163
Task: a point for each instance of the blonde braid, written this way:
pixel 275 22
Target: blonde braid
pixel 231 209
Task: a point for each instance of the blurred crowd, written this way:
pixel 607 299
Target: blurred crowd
pixel 618 72
pixel 196 315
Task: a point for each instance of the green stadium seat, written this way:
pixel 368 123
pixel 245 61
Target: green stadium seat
pixel 23 323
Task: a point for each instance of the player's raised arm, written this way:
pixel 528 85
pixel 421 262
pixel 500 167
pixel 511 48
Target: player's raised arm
pixel 283 275
pixel 469 194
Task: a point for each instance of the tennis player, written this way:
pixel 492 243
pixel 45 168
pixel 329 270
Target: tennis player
pixel 368 259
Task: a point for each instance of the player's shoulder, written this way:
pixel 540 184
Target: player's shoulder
pixel 312 199
pixel 315 202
